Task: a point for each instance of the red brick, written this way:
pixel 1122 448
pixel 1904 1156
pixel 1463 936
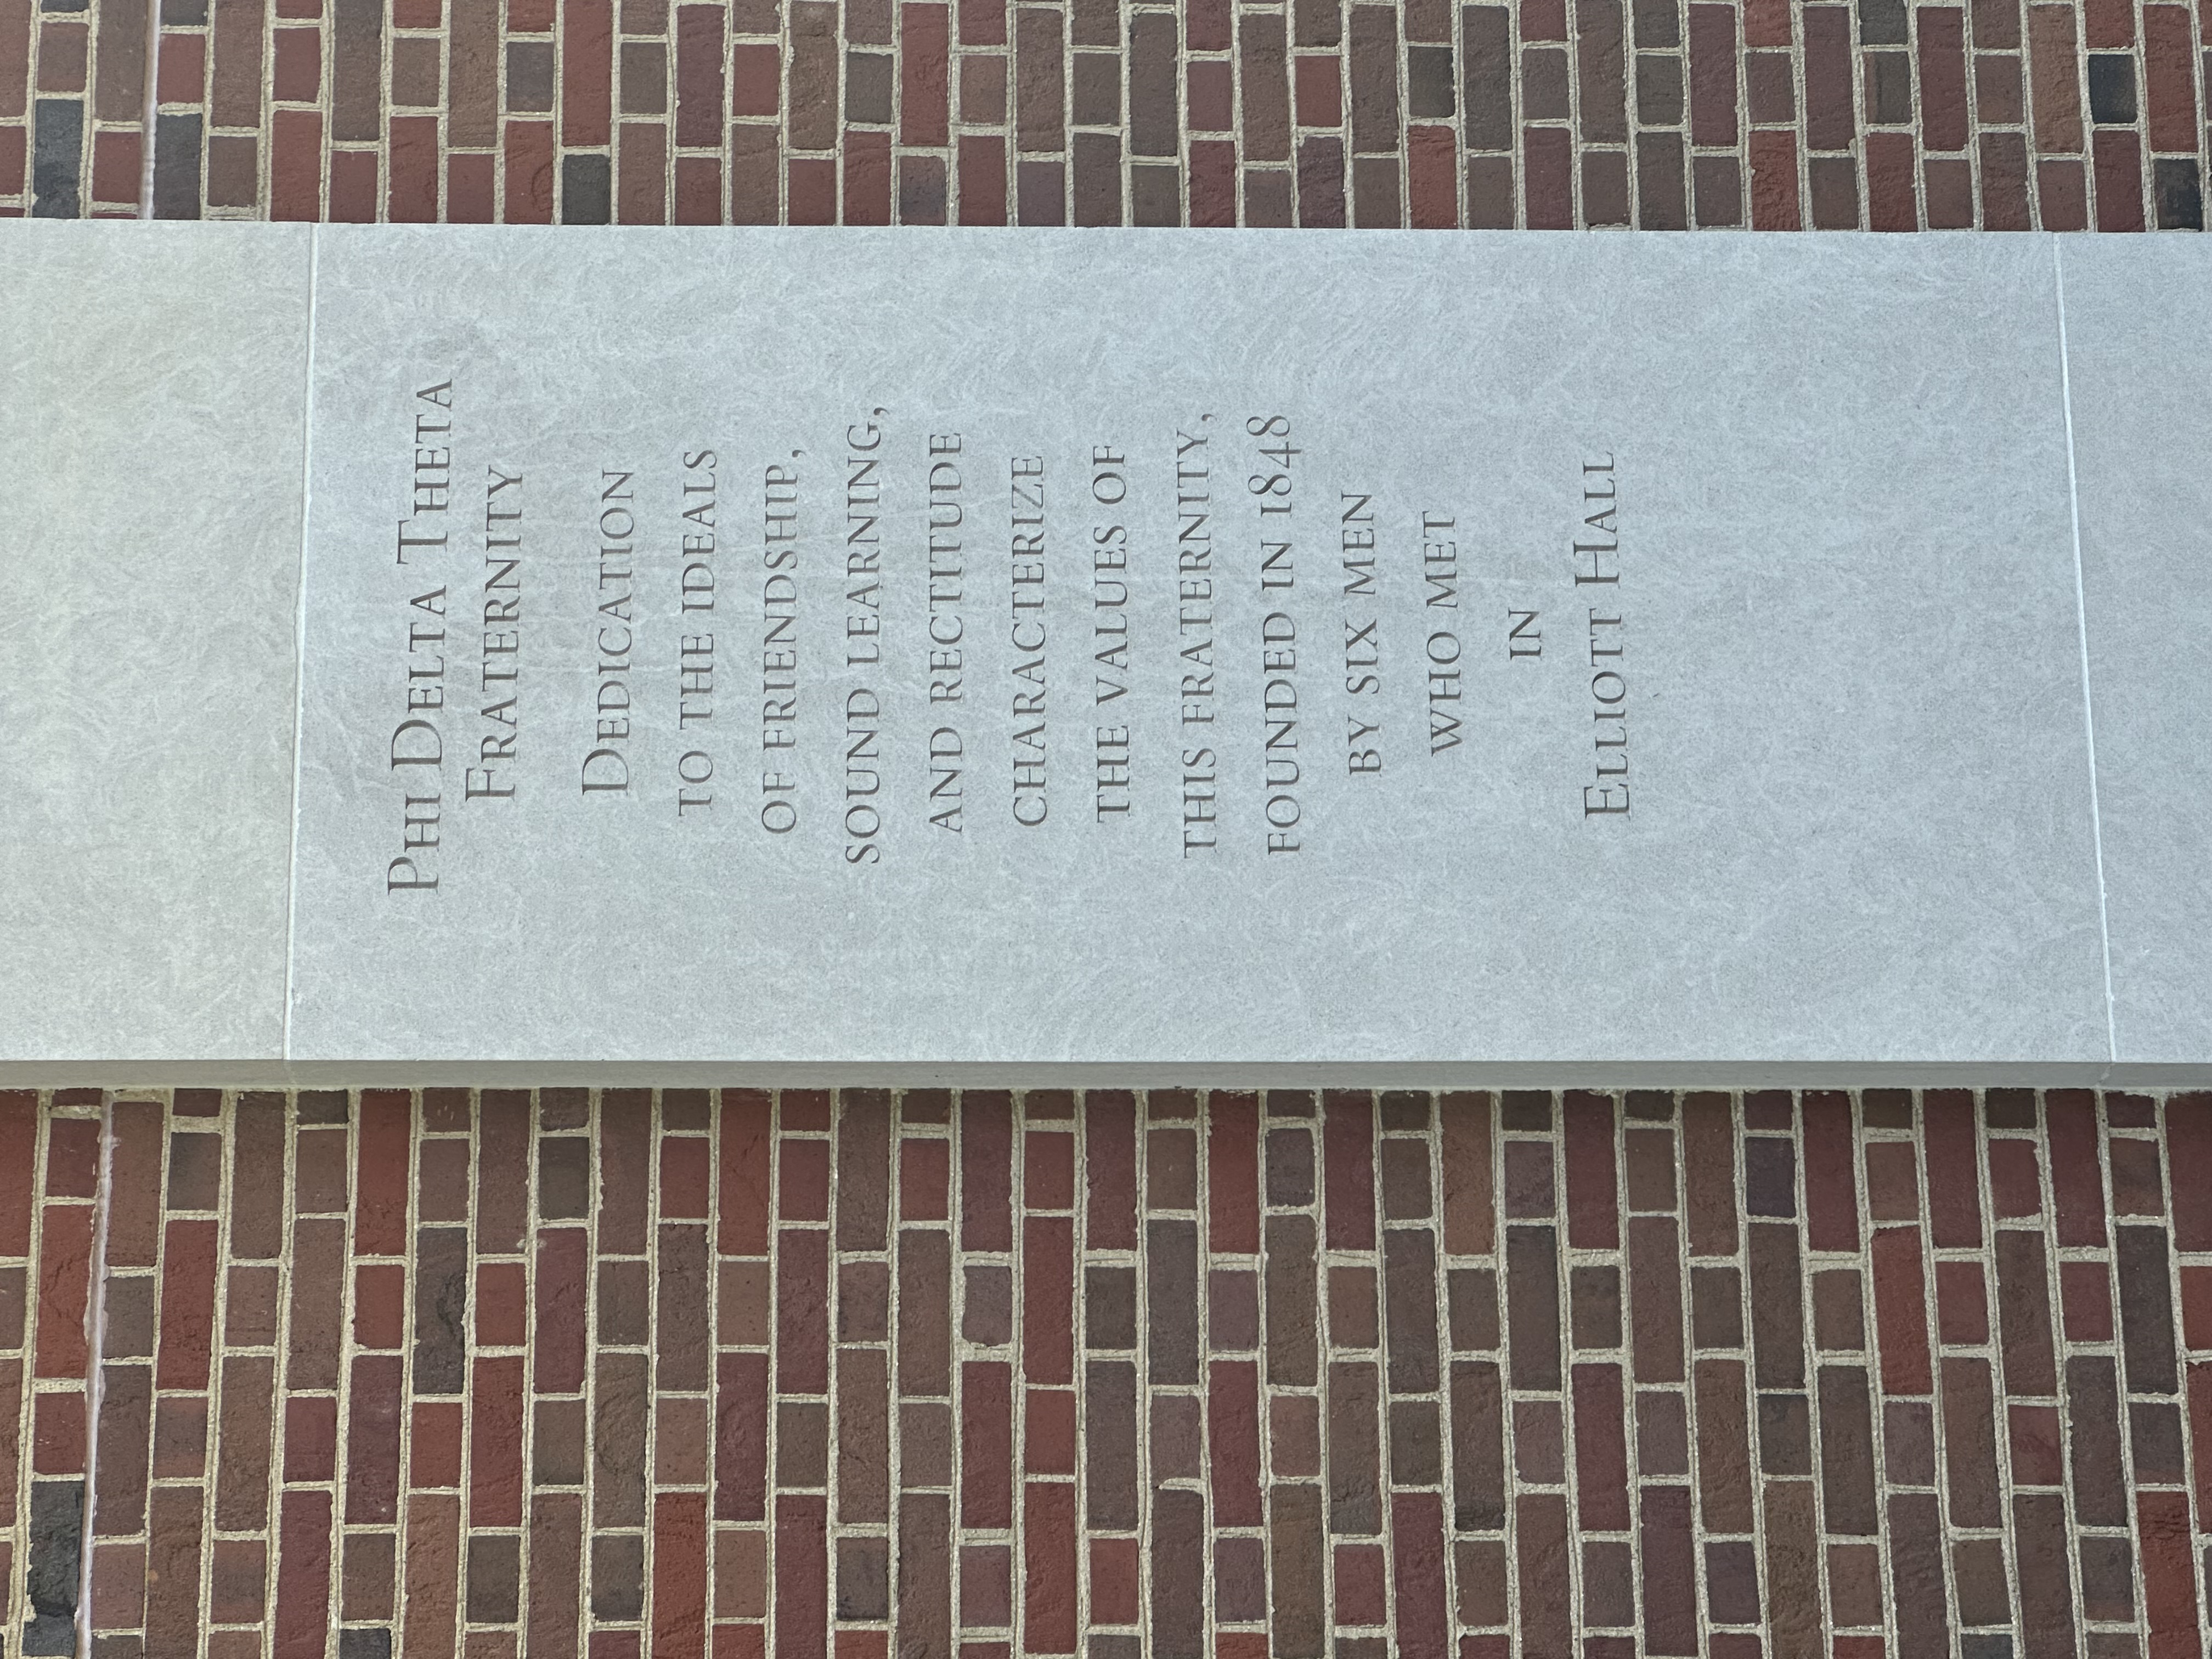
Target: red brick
pixel 2062 193
pixel 986 1169
pixel 1048 1567
pixel 698 190
pixel 802 1577
pixel 1110 1171
pixel 1363 1593
pixel 1961 1303
pixel 2033 1434
pixel 2169 1588
pixel 587 71
pixel 745 1165
pixel 311 1438
pixel 805 1111
pixel 1470 1206
pixel 2137 1186
pixel 563 1269
pixel 1048 1434
pixel 741 1396
pixel 2085 1297
pixel 1601 1450
pixel 303 1574
pixel 435 1445
pixel 382 1161
pixel 863 1126
pixel 1774 204
pixel 242 1444
pixel 1831 1221
pixel 411 170
pixel 1709 1173
pixel 495 1443
pixel 1953 1191
pixel 320 1179
pixel 1893 1181
pixel 2196 1307
pixel 2076 1168
pixel 982 179
pixel 1048 1299
pixel 503 1304
pixel 2015 1178
pixel 1767 22
pixel 134 1205
pixel 1171 1169
pixel 686 1175
pixel 1423 1623
pixel 1592 1186
pixel 2056 102
pixel 1048 1170
pixel 19 1130
pixel 237 1579
pixel 64 1280
pixel 431 1597
pixel 379 1304
pixel 2024 1315
pixel 1901 1311
pixel 1233 1175
pixel 679 1575
pixel 802 1292
pixel 1348 1155
pixel 1943 78
pixel 987 1443
pixel 756 78
pixel 372 1442
pixel 1890 168
pixel 1233 1427
pixel 118 1586
pixel 924 57
pixel 2188 1153
pixel 1829 66
pixel 1713 74
pixel 699 60
pixel 1113 1589
pixel 923 1174
pixel 57 1434
pixel 2109 24
pixel 72 1158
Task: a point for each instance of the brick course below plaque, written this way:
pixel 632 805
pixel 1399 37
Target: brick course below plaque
pixel 629 1373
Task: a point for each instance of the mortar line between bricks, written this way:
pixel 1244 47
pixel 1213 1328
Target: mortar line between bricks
pixel 2082 620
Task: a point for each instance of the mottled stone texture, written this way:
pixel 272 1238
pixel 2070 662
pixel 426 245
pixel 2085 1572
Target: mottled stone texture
pixel 682 1372
pixel 1773 114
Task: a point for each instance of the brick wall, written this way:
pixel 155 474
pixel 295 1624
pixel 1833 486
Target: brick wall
pixel 1538 113
pixel 622 1374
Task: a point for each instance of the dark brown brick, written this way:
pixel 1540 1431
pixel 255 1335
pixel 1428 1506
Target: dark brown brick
pixel 2024 1315
pixel 1915 1564
pixel 1708 1178
pixel 1778 1320
pixel 1354 1504
pixel 1723 1446
pixel 1532 1298
pixel 1291 1310
pixel 2092 1423
pixel 2146 1278
pixel 1847 1472
pixel 1410 1310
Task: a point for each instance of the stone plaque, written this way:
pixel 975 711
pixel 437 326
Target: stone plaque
pixel 921 653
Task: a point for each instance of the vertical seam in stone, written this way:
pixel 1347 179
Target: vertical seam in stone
pixel 2081 623
pixel 300 637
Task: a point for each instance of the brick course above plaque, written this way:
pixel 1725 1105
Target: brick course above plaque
pixel 1542 114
